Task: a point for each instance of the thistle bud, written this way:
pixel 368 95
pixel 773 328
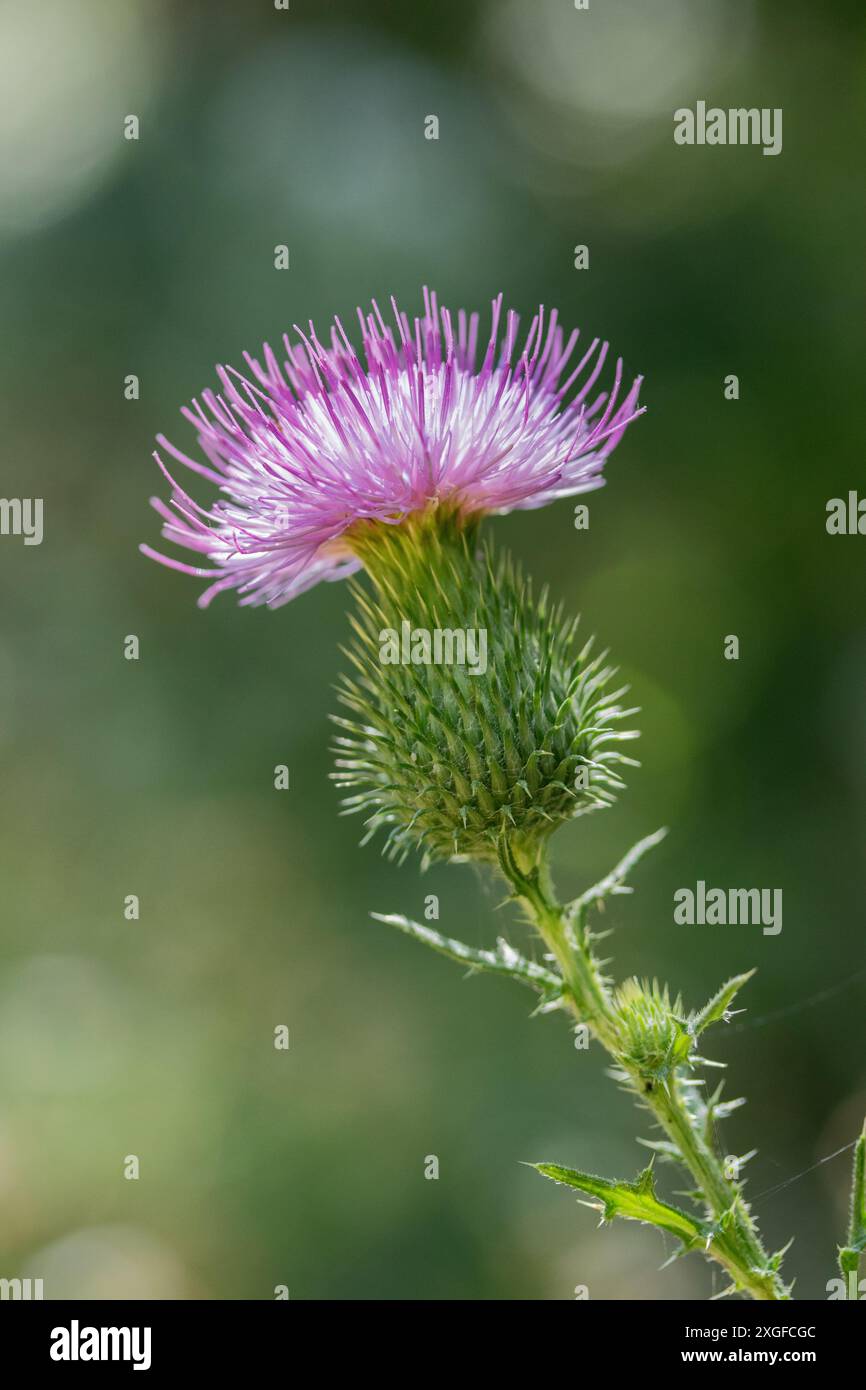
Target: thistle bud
pixel 474 712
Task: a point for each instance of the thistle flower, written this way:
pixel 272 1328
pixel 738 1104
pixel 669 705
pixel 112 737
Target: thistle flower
pixel 325 466
pixel 312 450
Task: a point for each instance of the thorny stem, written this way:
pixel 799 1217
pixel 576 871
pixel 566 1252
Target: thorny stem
pixel 735 1243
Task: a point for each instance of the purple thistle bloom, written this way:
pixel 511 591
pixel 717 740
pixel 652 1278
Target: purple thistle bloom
pixel 322 442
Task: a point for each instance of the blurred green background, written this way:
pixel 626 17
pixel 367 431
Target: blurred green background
pixel 155 777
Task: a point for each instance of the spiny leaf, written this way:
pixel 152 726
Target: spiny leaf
pixel 634 1201
pixel 778 1257
pixel 615 880
pixel 664 1148
pixel 849 1255
pixel 503 961
pixel 725 1293
pixel 718 1006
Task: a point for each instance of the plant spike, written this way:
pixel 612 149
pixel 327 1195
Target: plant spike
pixel 505 960
pixel 652 1041
pixel 330 462
pixel 849 1254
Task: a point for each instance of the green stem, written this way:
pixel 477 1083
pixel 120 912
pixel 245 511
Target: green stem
pixel 736 1244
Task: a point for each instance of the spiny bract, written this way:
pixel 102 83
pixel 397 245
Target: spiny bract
pixel 446 760
pixel 654 1036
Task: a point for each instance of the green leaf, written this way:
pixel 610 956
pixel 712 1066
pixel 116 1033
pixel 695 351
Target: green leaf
pixel 719 1006
pixel 503 961
pixel 615 880
pixel 634 1201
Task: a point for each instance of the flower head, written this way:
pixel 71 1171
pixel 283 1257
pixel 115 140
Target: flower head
pixel 447 756
pixel 313 448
